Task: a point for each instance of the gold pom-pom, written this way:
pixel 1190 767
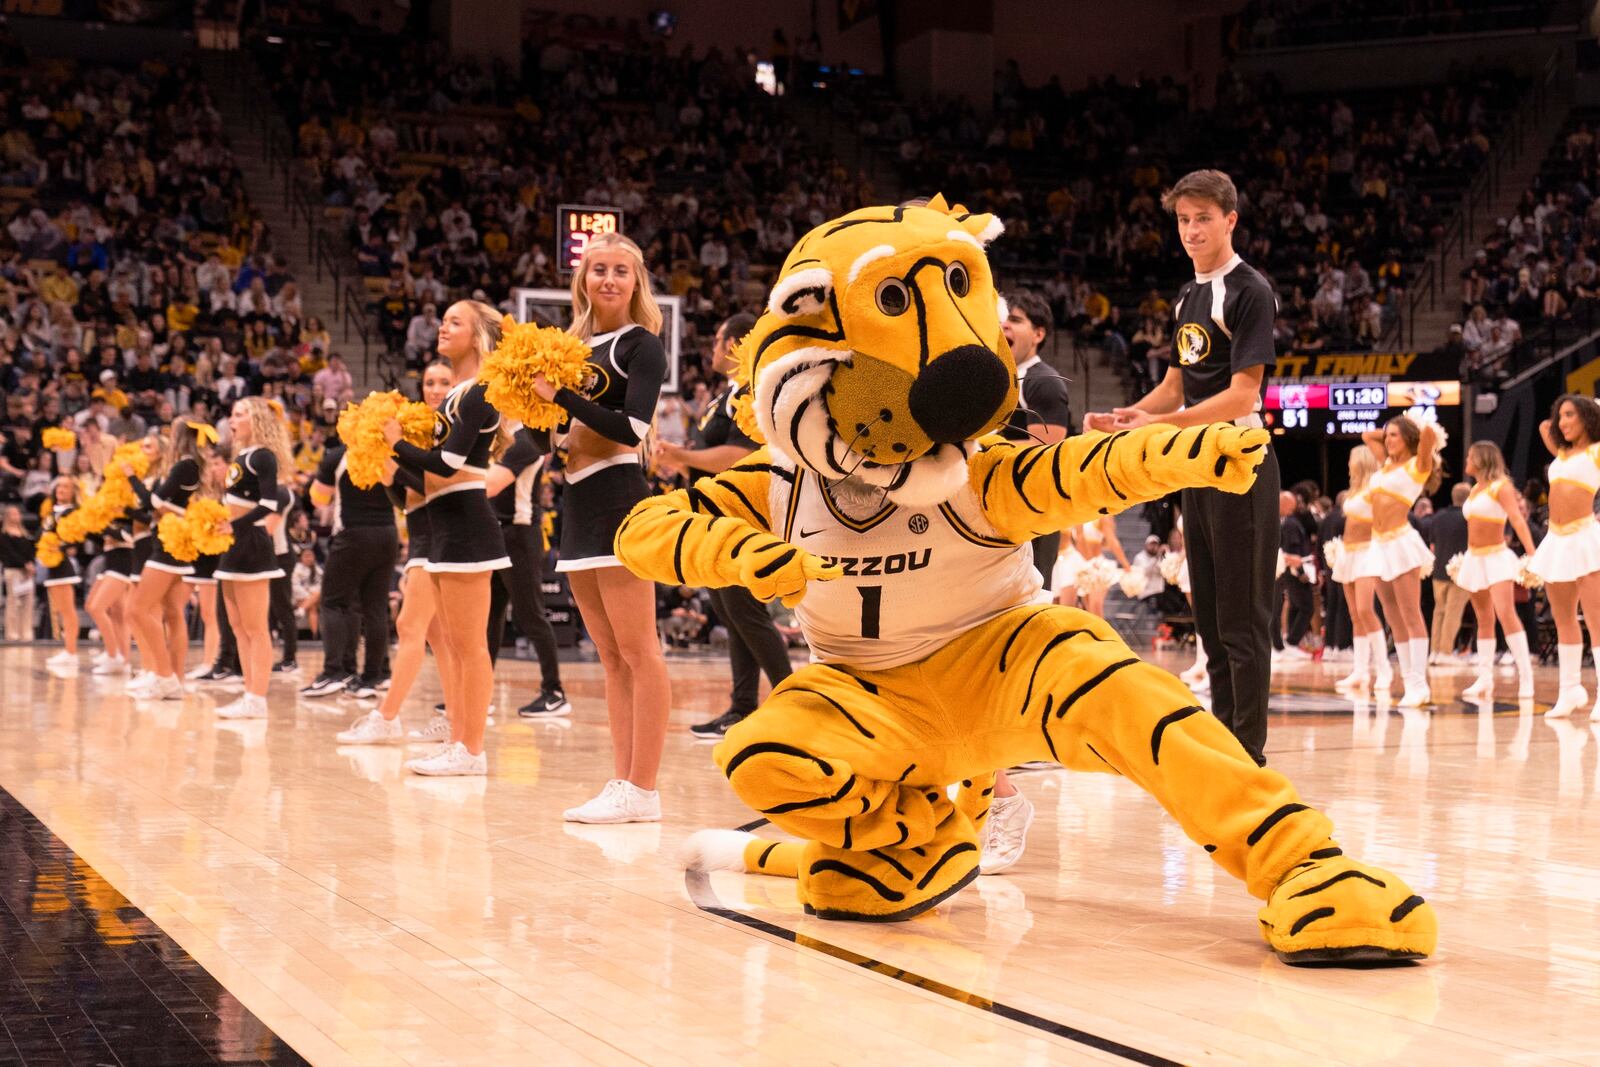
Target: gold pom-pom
pixel 205 518
pixel 134 455
pixel 177 537
pixel 57 439
pixel 72 528
pixel 361 430
pixel 526 351
pixel 49 551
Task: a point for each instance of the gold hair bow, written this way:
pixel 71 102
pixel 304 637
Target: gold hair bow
pixel 277 406
pixel 204 432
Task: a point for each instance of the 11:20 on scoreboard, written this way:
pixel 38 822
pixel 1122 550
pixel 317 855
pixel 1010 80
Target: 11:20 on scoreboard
pixel 577 225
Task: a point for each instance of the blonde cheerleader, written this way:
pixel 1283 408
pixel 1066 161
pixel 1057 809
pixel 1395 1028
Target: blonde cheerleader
pixel 1490 567
pixel 202 578
pixel 1410 464
pixel 61 576
pixel 1357 571
pixel 1090 541
pixel 1568 559
pixel 246 569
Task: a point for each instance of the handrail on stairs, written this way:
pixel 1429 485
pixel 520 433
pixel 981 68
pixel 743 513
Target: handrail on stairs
pixel 352 310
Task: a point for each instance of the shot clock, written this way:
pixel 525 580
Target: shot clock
pixel 577 225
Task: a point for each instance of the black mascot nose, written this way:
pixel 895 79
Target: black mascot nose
pixel 958 392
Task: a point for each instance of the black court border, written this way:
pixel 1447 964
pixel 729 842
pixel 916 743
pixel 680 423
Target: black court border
pixel 698 884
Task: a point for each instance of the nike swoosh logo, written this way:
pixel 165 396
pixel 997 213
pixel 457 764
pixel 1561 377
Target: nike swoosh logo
pixel 810 533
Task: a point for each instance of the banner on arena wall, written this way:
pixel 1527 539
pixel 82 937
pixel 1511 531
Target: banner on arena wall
pixel 1380 366
pixel 854 11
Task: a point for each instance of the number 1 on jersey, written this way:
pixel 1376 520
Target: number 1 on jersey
pixel 871 608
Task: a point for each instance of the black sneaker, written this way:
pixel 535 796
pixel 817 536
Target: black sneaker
pixel 326 685
pixel 288 666
pixel 719 726
pixel 550 704
pixel 360 689
pixel 224 676
pixel 382 684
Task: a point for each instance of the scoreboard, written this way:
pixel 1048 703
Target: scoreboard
pixel 576 226
pixel 1349 409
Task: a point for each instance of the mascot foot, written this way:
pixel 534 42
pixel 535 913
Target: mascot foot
pixel 1339 911
pixel 736 850
pixel 885 885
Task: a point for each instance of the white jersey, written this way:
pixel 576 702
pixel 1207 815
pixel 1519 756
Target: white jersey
pixel 914 578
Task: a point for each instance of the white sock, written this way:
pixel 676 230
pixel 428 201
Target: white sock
pixel 1518 644
pixel 1419 657
pixel 1359 654
pixel 1569 665
pixel 1402 652
pixel 1485 656
pixel 1380 650
pixel 1199 657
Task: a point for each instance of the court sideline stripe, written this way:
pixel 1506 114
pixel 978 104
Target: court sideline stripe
pixel 698 884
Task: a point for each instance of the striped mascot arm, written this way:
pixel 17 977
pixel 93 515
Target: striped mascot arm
pixel 717 533
pixel 1038 489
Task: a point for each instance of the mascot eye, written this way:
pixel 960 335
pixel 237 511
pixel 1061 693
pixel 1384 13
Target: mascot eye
pixel 893 297
pixel 958 278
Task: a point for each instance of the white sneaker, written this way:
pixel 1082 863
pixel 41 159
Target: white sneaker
pixel 1416 695
pixel 437 729
pixel 140 685
pixel 455 760
pixel 1506 658
pixel 61 659
pixel 1571 700
pixel 110 665
pixel 196 673
pixel 619 801
pixel 248 706
pixel 1482 689
pixel 1194 675
pixel 1355 681
pixel 100 658
pixel 1295 654
pixel 373 729
pixel 1005 835
pixel 167 687
pixel 428 753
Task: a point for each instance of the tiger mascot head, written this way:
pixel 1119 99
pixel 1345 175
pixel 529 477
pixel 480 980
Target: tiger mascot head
pixel 880 354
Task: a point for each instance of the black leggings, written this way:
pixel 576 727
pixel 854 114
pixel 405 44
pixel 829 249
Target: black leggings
pixel 355 597
pixel 518 585
pixel 754 645
pixel 282 608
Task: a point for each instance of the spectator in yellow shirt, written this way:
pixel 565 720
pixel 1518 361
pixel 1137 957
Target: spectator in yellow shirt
pixel 57 286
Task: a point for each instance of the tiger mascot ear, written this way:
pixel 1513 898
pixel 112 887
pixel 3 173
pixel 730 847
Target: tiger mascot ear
pixel 982 228
pixel 805 292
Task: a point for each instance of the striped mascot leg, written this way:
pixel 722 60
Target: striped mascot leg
pixel 855 763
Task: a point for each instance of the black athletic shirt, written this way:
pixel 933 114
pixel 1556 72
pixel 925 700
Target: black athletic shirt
pixel 463 434
pixel 1043 400
pixel 354 506
pixel 1223 325
pixel 626 369
pixel 253 484
pixel 718 427
pixel 179 484
pixel 518 503
pixel 16 550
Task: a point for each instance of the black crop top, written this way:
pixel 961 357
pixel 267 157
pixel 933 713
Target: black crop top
pixel 253 484
pixel 626 369
pixel 463 434
pixel 180 483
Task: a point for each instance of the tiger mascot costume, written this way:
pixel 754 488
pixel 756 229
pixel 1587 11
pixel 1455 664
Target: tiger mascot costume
pixel 879 374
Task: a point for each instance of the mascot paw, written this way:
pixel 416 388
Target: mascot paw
pixel 715 850
pixel 1234 454
pixel 1340 911
pixel 884 885
pixel 773 569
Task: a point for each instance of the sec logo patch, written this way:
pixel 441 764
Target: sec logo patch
pixel 441 428
pixel 1193 343
pixel 918 524
pixel 235 472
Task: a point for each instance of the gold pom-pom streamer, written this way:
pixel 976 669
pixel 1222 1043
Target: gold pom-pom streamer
pixel 48 551
pixel 361 430
pixel 177 537
pixel 133 454
pixel 57 439
pixel 1453 568
pixel 72 528
pixel 206 518
pixel 1525 576
pixel 526 351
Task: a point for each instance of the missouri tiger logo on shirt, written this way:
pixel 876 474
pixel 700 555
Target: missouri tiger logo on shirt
pixel 596 383
pixel 1193 343
pixel 235 472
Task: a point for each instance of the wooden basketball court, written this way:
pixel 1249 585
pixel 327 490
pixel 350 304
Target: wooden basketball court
pixel 350 912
